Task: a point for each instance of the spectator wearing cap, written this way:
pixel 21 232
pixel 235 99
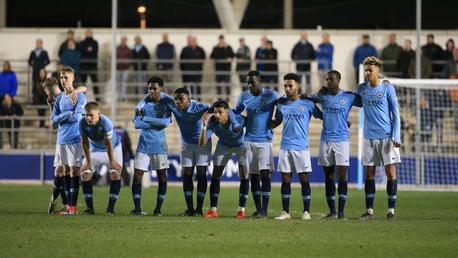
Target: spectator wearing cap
pixel 243 66
pixel 222 55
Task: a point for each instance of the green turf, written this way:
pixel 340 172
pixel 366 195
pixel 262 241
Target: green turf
pixel 426 225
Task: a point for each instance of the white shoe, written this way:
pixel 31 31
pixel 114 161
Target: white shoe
pixel 284 215
pixel 306 215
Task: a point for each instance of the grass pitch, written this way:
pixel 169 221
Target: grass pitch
pixel 426 225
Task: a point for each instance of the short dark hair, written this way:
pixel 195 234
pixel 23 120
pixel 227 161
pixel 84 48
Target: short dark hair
pixel 254 73
pixel 91 106
pixel 221 103
pixel 336 73
pixel 156 79
pixel 182 90
pixel 292 76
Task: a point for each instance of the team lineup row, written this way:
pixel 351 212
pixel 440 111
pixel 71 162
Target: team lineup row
pixel 83 130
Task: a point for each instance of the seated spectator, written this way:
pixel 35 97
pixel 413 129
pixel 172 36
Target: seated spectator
pixel 11 109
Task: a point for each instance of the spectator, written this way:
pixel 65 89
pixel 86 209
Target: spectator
pixel 64 44
pixel 192 59
pixel 71 56
pixel 165 54
pixel 390 54
pixel 451 72
pixel 426 67
pixel 259 64
pixel 11 109
pixel 124 55
pixel 222 54
pixel 38 59
pixel 140 63
pixel 243 66
pixel 404 58
pixel 270 54
pixel 435 53
pixel 8 81
pixel 39 97
pixel 449 47
pixel 361 52
pixel 324 54
pixel 89 48
pixel 303 54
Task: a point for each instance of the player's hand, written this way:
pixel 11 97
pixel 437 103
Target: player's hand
pixel 303 96
pixel 205 117
pixel 74 97
pixel 50 101
pixel 397 144
pixel 323 89
pixel 273 123
pixel 139 112
pixel 85 166
pixel 236 129
pixel 385 81
pixel 348 124
pixel 115 166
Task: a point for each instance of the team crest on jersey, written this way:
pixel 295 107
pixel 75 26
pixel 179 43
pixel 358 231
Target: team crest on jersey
pixel 342 102
pixel 301 108
pixel 379 94
pixel 264 101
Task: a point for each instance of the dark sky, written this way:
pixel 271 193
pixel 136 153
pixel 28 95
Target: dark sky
pixel 330 14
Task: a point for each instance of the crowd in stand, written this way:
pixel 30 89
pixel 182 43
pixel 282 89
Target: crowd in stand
pixel 436 62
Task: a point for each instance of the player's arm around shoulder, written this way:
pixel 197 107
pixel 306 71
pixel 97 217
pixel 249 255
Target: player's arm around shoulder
pixel 204 134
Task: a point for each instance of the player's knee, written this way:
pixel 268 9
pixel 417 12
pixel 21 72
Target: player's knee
pixel 87 176
pixel 115 175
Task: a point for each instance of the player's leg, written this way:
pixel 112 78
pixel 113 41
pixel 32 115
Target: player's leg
pixel 161 190
pixel 370 159
pixel 214 191
pixel 266 166
pixel 71 157
pixel 391 157
pixel 306 191
pixel 330 191
pixel 285 167
pixel 160 163
pixel 86 185
pixel 141 163
pixel 115 178
pixel 202 162
pixel 244 183
pixel 255 177
pixel 188 163
pixel 56 189
pixel 342 189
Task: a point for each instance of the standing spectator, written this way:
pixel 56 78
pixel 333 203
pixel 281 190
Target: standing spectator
pixel 243 65
pixel 324 54
pixel 124 55
pixel 259 104
pixel 100 148
pixel 64 44
pixel 270 55
pixel 294 156
pixel 8 81
pixel 451 72
pixel 152 116
pixel 140 63
pixel 39 96
pixel 192 60
pixel 449 47
pixel 361 52
pixel 389 56
pixel 303 53
pixel 258 54
pixel 71 56
pixel 435 53
pixel 426 67
pixel 38 59
pixel 11 109
pixel 222 54
pixel 405 58
pixel 127 152
pixel 165 55
pixel 89 48
pixel 382 134
pixel 334 151
pixel 230 142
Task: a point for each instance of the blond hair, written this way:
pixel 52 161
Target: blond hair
pixel 372 60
